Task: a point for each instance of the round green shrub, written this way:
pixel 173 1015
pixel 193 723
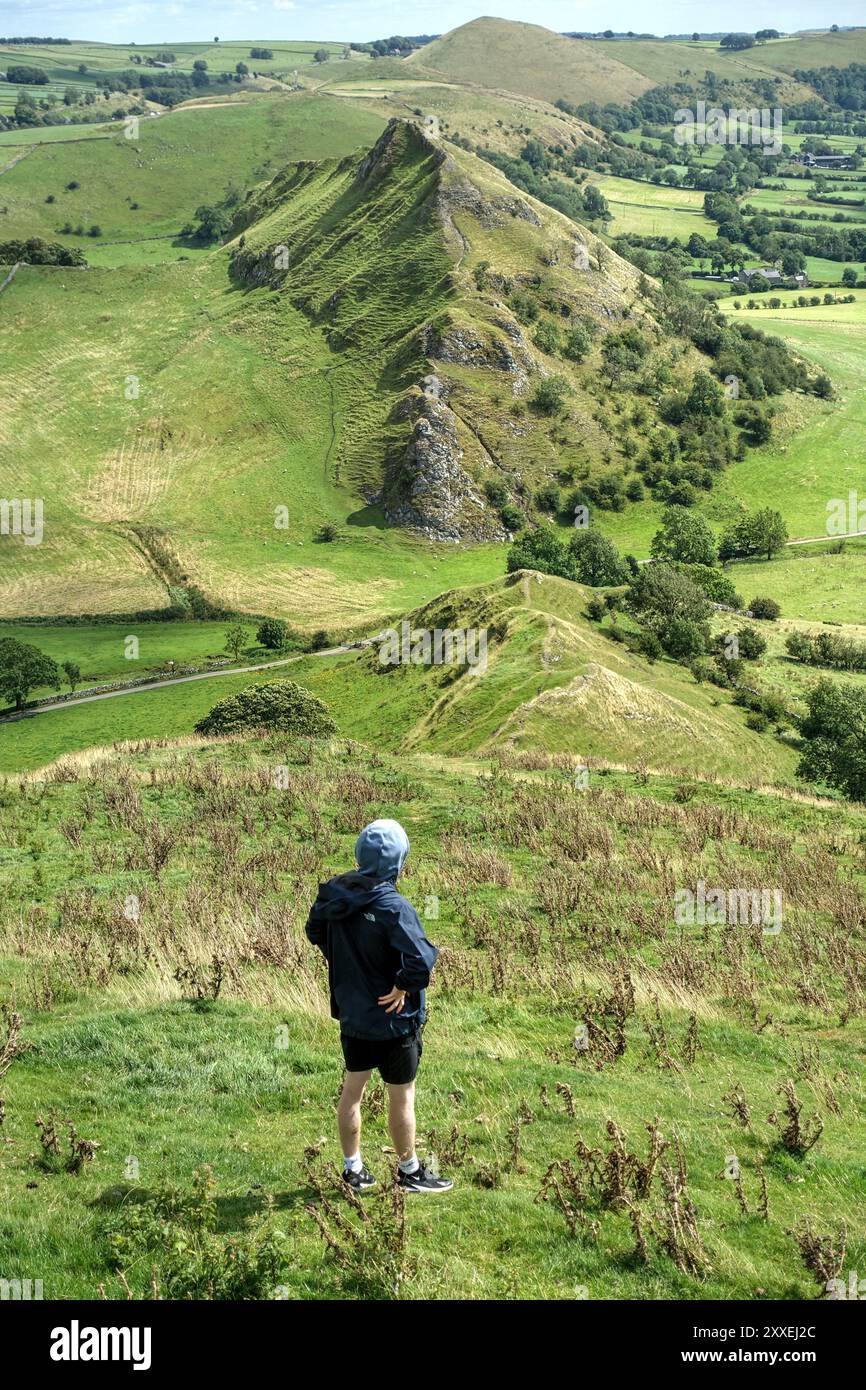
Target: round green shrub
pixel 275 707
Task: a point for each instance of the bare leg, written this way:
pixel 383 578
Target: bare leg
pixel 349 1110
pixel 401 1118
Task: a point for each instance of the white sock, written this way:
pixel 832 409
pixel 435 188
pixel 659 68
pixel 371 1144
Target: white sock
pixel 352 1164
pixel 409 1165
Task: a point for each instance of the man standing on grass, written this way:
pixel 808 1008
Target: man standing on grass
pixel 379 964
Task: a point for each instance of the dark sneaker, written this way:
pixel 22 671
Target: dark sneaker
pixel 423 1181
pixel 361 1181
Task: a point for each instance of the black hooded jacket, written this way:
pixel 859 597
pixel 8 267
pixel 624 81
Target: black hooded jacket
pixel 372 939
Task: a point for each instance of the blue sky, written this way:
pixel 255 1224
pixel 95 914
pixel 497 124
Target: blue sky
pixel 113 21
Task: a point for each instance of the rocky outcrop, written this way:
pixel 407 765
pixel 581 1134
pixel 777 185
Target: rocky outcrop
pixel 428 490
pixel 467 345
pixel 461 195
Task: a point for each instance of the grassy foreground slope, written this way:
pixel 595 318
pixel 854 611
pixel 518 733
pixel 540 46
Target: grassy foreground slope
pixel 555 911
pixel 528 59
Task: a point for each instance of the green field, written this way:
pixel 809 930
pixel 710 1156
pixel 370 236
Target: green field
pixel 676 61
pixel 825 460
pixel 649 209
pixel 61 62
pixel 180 160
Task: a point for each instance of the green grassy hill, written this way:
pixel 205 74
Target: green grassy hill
pixel 142 192
pixel 195 1030
pixel 528 59
pixel 667 62
pixel 244 402
pixel 552 681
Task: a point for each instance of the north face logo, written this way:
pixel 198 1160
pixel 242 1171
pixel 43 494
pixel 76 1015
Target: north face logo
pixel 370 916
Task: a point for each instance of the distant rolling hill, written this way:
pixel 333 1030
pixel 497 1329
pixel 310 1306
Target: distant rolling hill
pixel 530 60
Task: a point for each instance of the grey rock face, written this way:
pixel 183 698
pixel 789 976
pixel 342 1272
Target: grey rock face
pixel 428 490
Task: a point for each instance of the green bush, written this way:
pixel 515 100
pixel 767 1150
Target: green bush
pixel 750 643
pixel 512 517
pixel 541 550
pixel 550 394
pixel 277 707
pixel 273 634
pixel 765 608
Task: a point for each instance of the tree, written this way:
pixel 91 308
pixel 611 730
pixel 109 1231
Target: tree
pixel 321 55
pixel 623 353
pixel 72 672
pixel 761 533
pixel 549 395
pixel 236 639
pixel 750 643
pixel 273 634
pixel 685 536
pixel 26 112
pixel 25 76
pixel 23 668
pixel 577 343
pixel 682 638
pixel 769 532
pixel 661 592
pixel 276 706
pixel 849 277
pixel 213 222
pixel 834 731
pixel 715 584
pixel 822 386
pixel 541 550
pixel 241 69
pixel 705 399
pixel 754 422
pixel 737 42
pixel 596 559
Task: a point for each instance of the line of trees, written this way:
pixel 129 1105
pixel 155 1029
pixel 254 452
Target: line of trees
pixel 827 649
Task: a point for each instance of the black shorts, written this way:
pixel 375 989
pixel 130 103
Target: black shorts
pixel 396 1058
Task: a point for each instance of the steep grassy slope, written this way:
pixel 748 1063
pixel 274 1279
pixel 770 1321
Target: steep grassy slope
pixel 555 912
pixel 528 59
